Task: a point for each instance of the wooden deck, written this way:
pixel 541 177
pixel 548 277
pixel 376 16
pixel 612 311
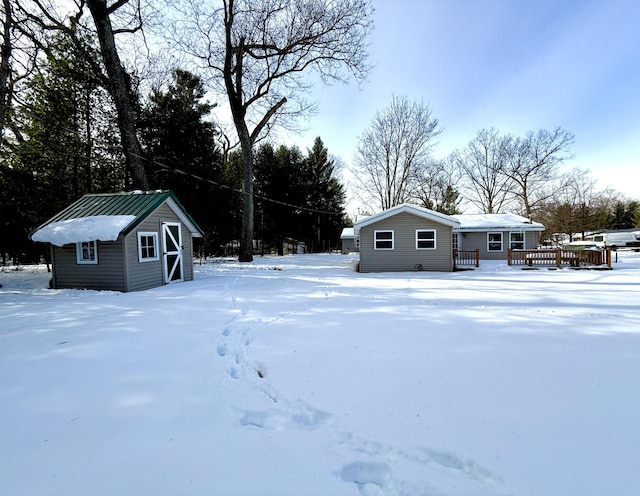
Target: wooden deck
pixel 466 257
pixel 559 257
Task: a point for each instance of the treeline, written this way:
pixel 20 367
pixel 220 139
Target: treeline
pixel 495 173
pixel 63 142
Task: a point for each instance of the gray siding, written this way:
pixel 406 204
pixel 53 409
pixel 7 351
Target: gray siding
pixel 145 275
pixel 348 245
pixel 108 273
pixel 478 240
pixel 405 256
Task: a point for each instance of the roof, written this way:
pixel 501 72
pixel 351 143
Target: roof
pixel 507 222
pixel 347 233
pixel 105 216
pixel 421 212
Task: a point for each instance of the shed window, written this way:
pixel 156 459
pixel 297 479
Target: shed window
pixel 516 240
pixel 87 252
pixel 425 239
pixel 148 246
pixel 494 241
pixel 383 240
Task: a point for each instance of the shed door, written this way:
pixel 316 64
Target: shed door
pixel 172 255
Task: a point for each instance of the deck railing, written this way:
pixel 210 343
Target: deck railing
pixel 466 257
pixel 559 257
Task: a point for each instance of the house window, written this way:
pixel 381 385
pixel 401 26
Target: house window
pixel 425 239
pixel 383 240
pixel 494 241
pixel 455 241
pixel 147 246
pixel 87 252
pixel 516 240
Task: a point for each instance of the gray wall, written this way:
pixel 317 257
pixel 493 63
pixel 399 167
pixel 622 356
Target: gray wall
pixel 478 240
pixel 108 273
pixel 348 245
pixel 145 275
pixel 404 256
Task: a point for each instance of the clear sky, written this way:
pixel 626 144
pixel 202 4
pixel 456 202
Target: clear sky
pixel 516 65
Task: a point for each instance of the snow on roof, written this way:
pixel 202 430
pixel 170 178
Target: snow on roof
pixel 92 228
pixel 347 232
pixel 482 222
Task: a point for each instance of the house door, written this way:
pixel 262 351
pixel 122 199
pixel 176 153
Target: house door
pixel 172 255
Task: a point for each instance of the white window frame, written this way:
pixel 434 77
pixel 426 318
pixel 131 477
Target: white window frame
pixel 435 245
pixel 92 247
pixel 156 246
pixel 489 242
pixel 455 241
pixel 376 240
pixel 511 242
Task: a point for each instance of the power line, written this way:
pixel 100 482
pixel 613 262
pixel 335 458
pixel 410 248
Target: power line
pixel 240 191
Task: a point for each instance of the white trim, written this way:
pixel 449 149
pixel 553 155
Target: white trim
pixel 181 215
pixel 423 213
pixel 434 239
pixel 524 240
pixel 169 272
pixel 156 246
pixel 375 240
pixel 501 242
pixel 80 260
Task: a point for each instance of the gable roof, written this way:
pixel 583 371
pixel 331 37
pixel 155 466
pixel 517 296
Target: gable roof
pixel 421 212
pixel 105 216
pixel 498 222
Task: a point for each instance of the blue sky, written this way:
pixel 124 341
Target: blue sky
pixel 516 65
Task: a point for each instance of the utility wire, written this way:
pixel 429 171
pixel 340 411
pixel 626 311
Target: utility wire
pixel 236 190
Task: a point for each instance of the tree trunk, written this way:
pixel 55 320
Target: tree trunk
pixel 4 65
pixel 120 91
pixel 246 235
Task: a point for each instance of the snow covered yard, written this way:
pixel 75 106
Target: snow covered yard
pixel 298 376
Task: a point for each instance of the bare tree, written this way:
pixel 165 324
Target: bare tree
pixel 39 18
pixel 394 151
pixel 483 162
pixel 260 51
pixel 437 186
pixel 532 165
pixel 571 210
pixel 5 60
pixel 119 85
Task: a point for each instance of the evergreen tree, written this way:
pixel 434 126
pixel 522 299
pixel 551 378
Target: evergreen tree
pixel 299 198
pixel 325 200
pixel 182 154
pixel 56 153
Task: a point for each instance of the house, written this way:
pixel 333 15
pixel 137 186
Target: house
pixel 348 240
pixel 406 237
pixel 494 234
pixel 121 241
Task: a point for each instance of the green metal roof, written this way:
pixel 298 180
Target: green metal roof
pixel 137 203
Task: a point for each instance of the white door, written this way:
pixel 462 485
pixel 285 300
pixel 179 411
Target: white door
pixel 172 255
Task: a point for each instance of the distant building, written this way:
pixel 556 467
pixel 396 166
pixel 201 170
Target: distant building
pixel 408 237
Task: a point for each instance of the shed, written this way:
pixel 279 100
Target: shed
pixel 348 241
pixel 494 234
pixel 126 241
pixel 404 238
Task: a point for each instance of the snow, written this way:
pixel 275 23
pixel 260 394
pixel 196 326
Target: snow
pixel 496 221
pixel 83 229
pixel 298 376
